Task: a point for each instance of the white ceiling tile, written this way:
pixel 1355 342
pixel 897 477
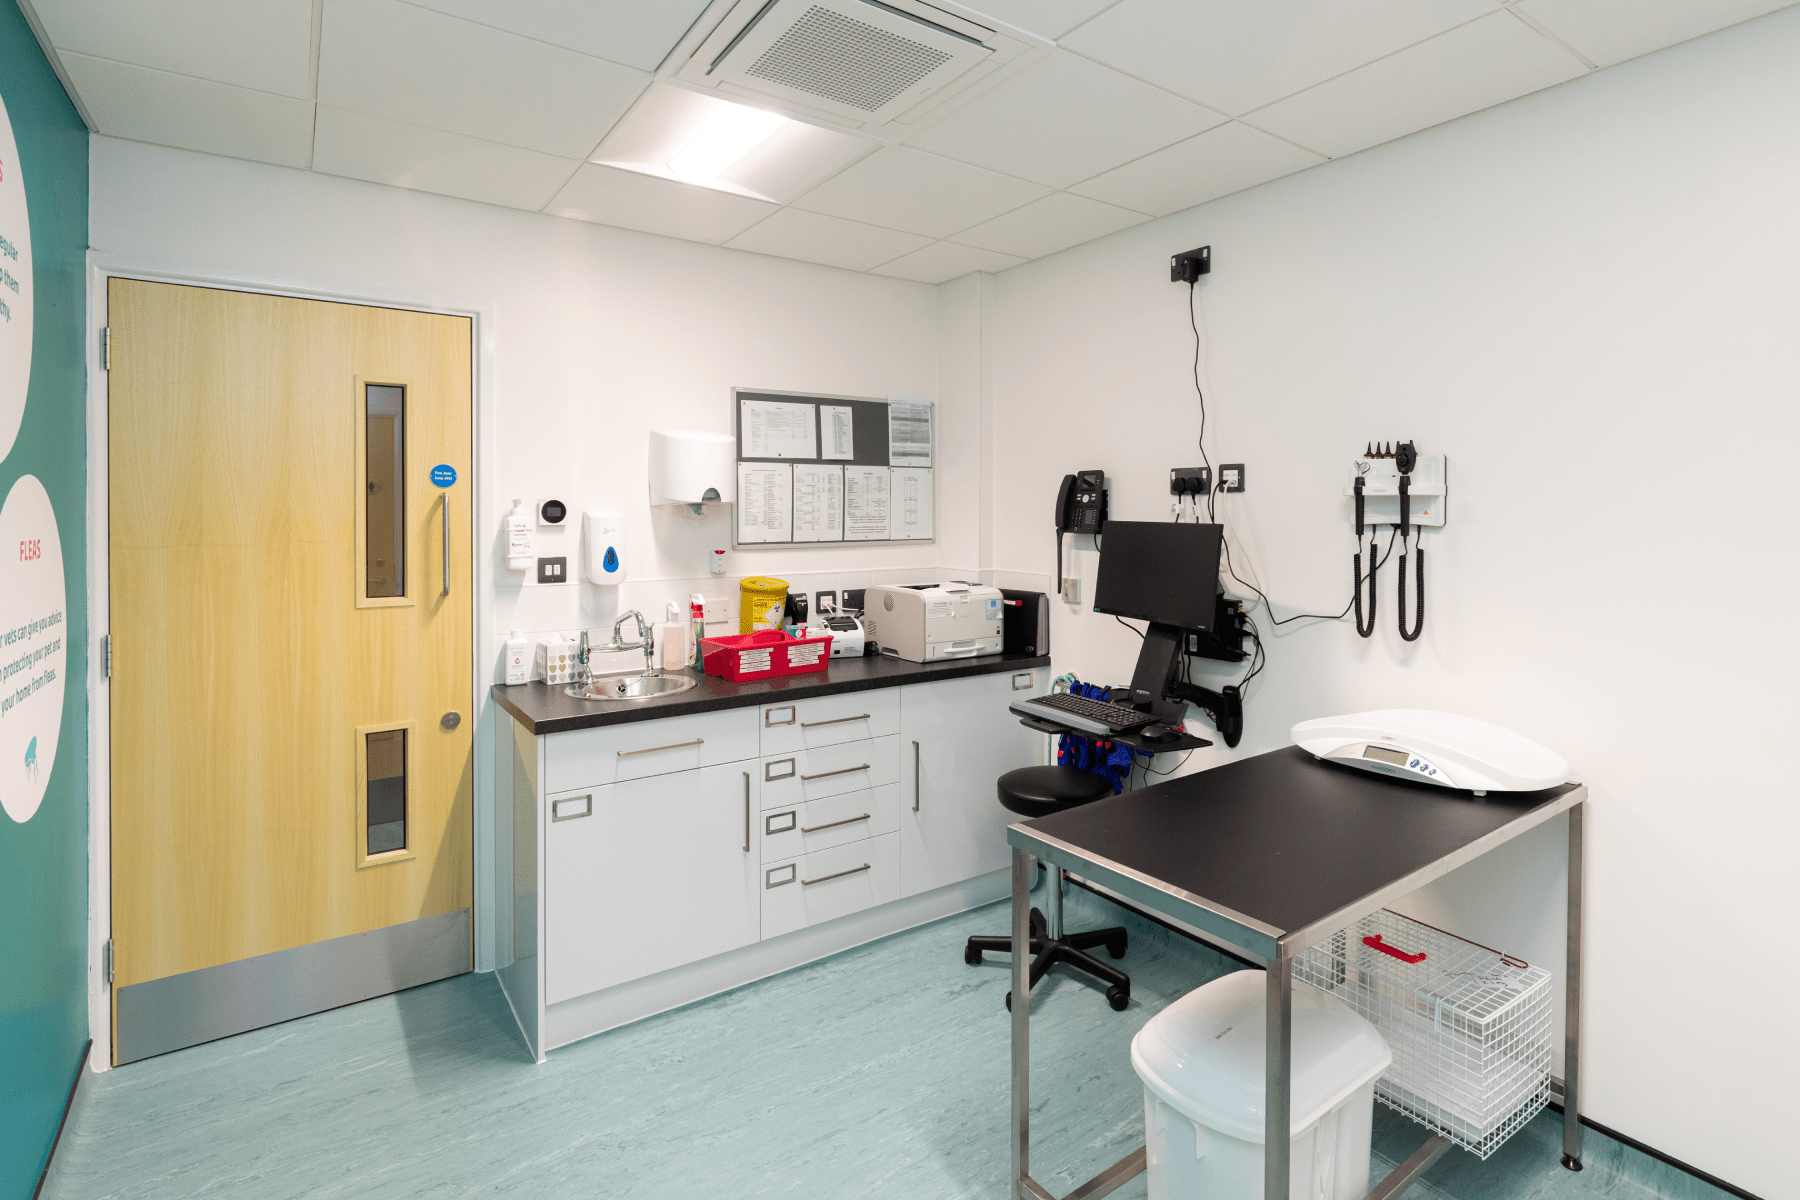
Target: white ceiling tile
pixel 359 146
pixel 1611 31
pixel 795 159
pixel 266 45
pixel 1216 163
pixel 1056 222
pixel 400 61
pixel 943 261
pixel 1046 18
pixel 1063 120
pixel 192 114
pixel 919 193
pixel 608 196
pixel 1476 66
pixel 1235 56
pixel 833 241
pixel 632 32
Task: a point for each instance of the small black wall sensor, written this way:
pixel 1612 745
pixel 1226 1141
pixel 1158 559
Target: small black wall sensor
pixel 1190 265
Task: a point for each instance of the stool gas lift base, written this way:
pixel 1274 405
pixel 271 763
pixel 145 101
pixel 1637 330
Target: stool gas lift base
pixel 1280 971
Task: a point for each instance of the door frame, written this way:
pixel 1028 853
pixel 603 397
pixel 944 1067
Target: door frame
pixel 102 267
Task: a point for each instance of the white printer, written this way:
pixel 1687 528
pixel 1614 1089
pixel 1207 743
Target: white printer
pixel 925 622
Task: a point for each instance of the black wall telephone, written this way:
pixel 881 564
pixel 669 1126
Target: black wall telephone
pixel 1080 508
pixel 1081 503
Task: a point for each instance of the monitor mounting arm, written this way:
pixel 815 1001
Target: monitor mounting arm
pixel 1156 689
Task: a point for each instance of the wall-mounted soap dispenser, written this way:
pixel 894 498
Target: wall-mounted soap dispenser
pixel 603 545
pixel 693 467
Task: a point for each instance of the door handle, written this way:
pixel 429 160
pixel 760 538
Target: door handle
pixel 829 774
pixel 446 543
pixel 839 875
pixel 746 812
pixel 915 777
pixel 834 721
pixel 833 824
pixel 654 749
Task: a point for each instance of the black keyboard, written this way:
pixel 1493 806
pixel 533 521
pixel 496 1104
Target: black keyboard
pixel 1114 718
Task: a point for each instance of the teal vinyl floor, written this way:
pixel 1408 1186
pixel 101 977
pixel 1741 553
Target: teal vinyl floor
pixel 881 1071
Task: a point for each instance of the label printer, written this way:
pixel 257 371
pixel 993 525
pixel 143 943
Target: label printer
pixel 926 622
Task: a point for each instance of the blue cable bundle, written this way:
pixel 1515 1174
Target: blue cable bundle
pixel 1109 760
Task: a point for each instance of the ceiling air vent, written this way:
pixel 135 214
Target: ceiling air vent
pixel 858 60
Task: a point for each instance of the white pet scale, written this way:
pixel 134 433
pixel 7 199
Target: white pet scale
pixel 1434 747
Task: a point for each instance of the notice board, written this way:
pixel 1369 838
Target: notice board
pixel 821 470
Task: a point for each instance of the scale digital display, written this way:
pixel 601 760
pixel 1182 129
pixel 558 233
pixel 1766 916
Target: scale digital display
pixel 1383 754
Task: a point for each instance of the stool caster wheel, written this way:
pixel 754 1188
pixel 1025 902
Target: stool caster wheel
pixel 1009 1002
pixel 1118 997
pixel 1571 1162
pixel 1116 948
pixel 972 956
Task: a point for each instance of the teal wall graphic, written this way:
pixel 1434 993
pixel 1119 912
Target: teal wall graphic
pixel 43 610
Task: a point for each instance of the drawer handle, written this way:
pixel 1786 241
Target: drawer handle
pixel 654 749
pixel 834 824
pixel 839 875
pixel 829 774
pixel 834 721
pixel 557 813
pixel 769 721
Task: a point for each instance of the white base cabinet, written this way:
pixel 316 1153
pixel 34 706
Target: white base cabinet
pixel 957 738
pixel 673 841
pixel 656 872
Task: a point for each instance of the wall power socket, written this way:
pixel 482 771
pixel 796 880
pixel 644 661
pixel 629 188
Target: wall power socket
pixel 1231 477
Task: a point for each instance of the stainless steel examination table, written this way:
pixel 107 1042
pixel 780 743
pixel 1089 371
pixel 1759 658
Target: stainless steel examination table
pixel 1272 854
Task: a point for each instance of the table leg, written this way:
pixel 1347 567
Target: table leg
pixel 1278 1078
pixel 1023 868
pixel 1571 1157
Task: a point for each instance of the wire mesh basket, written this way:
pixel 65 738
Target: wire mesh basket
pixel 1470 1027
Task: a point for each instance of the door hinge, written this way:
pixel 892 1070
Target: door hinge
pixel 106 960
pixel 106 656
pixel 106 348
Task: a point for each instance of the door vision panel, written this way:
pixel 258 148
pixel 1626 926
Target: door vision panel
pixel 291 672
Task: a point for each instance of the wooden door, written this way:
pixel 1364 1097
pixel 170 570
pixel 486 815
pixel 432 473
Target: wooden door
pixel 291 630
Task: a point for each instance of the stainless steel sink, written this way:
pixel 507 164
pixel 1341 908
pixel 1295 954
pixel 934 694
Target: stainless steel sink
pixel 632 687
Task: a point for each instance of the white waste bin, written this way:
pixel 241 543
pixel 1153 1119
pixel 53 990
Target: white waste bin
pixel 1201 1060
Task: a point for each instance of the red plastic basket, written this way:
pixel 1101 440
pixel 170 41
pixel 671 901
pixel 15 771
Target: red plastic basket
pixel 765 654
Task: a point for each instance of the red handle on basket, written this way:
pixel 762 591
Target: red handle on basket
pixel 1374 941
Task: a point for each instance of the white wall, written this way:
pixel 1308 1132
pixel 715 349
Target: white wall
pixel 1588 299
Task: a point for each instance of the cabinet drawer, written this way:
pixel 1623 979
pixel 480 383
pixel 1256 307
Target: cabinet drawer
pixel 790 779
pixel 589 757
pixel 821 824
pixel 829 883
pixel 829 720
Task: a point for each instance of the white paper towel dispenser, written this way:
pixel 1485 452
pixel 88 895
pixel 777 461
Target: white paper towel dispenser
pixel 692 466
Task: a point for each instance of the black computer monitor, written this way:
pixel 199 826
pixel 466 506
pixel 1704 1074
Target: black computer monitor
pixel 1159 571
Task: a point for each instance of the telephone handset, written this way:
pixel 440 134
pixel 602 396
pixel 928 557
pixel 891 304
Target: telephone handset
pixel 1080 508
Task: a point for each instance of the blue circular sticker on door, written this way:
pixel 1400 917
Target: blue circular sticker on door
pixel 444 475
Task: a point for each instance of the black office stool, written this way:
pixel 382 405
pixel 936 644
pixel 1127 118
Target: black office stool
pixel 1038 792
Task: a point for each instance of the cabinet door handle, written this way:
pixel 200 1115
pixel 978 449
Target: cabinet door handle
pixel 746 812
pixel 829 774
pixel 834 721
pixel 839 875
pixel 915 777
pixel 654 749
pixel 833 824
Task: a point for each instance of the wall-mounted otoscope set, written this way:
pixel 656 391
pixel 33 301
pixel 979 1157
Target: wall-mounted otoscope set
pixel 1393 484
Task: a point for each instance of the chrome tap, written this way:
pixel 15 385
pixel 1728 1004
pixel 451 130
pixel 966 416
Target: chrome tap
pixel 643 640
pixel 587 672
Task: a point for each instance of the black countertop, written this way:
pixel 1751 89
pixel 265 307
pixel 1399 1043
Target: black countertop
pixel 547 708
pixel 1284 838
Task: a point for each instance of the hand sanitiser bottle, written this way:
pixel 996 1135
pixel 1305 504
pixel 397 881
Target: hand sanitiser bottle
pixel 697 618
pixel 518 658
pixel 518 537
